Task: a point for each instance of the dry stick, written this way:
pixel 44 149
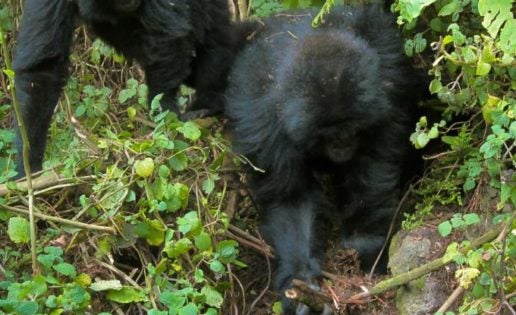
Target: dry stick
pixel 121 274
pixel 304 294
pixel 451 299
pixel 43 182
pixel 61 220
pixel 420 271
pixel 25 152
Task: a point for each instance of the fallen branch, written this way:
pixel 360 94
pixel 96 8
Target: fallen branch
pixel 420 271
pixel 42 182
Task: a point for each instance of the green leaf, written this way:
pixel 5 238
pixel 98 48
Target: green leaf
pixel 419 43
pixel 208 185
pixel 144 168
pixel 217 266
pixel 508 38
pixel 190 130
pixel 65 269
pixel 444 228
pixel 411 9
pixel 437 25
pixel 212 296
pixel 450 8
pixel 227 251
pixel 104 285
pixel 203 241
pixel 483 68
pixel 495 13
pixel 190 222
pixel 277 308
pixel 435 86
pixel 80 110
pixel 433 133
pixel 471 218
pixel 173 299
pixel 125 295
pixel 190 309
pixel 409 47
pixel 175 249
pixel 19 230
pixel 126 94
pixel 179 162
pixel 152 230
pixel 422 140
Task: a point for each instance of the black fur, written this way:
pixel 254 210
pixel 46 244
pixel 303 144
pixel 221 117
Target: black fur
pixel 175 41
pixel 326 113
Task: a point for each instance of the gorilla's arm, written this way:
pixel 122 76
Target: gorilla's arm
pixel 293 227
pixel 41 67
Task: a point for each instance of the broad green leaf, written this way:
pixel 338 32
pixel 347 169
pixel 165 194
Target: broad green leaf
pixel 152 230
pixel 125 295
pixel 190 130
pixel 483 68
pixel 444 228
pixel 433 133
pixel 189 223
pixel 212 296
pixel 19 230
pixel 174 249
pixel 409 47
pixel 411 9
pixel 495 13
pixel 422 140
pixel 126 94
pixel 419 43
pixel 227 250
pixel 173 299
pixel 65 269
pixel 508 37
pixel 208 185
pixel 217 266
pixel 203 241
pixel 435 86
pixel 449 9
pixel 471 218
pixel 190 309
pixel 144 168
pixel 277 308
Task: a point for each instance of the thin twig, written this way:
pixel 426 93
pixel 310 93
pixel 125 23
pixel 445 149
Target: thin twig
pixel 121 274
pixel 25 152
pixel 61 220
pixel 389 232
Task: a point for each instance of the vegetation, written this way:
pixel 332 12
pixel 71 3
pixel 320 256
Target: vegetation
pixel 137 219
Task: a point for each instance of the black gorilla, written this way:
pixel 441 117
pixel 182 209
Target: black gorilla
pixel 175 41
pixel 325 112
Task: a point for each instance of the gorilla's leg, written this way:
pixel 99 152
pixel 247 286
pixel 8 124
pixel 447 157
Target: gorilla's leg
pixel 373 189
pixel 40 66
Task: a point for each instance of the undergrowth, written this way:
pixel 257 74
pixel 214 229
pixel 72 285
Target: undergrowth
pixel 136 220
